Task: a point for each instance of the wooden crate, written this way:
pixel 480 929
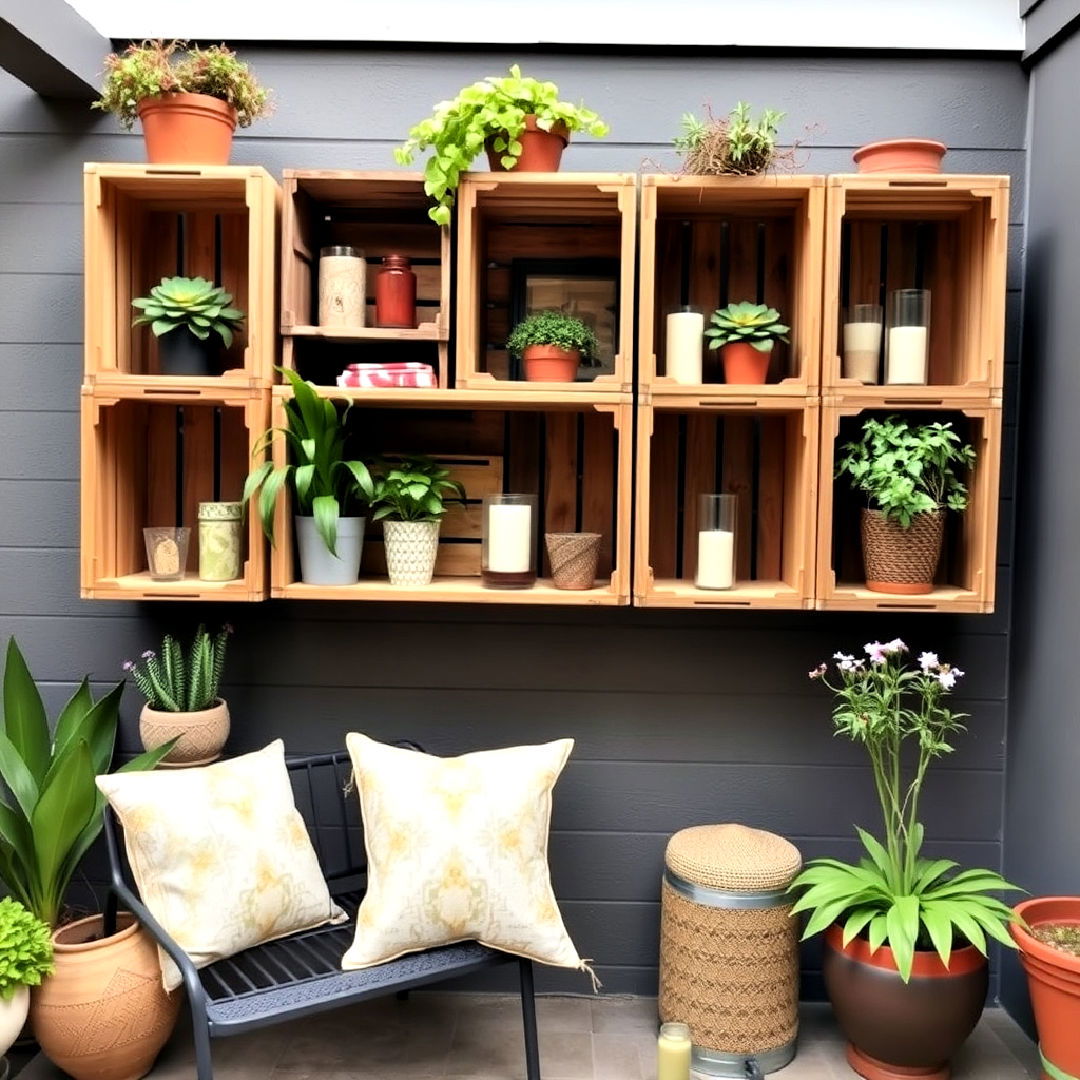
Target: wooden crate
pixel 710 241
pixel 948 234
pixel 149 456
pixel 564 223
pixel 763 450
pixel 575 456
pixel 382 213
pixel 145 222
pixel 966 575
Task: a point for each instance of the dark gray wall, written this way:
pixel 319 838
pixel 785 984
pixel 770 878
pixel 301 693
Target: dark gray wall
pixel 680 718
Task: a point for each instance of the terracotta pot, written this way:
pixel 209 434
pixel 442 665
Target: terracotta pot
pixel 411 550
pixel 745 364
pixel 897 1029
pixel 898 560
pixel 103 1014
pixel 549 363
pixel 1053 983
pixel 12 1017
pixel 573 558
pixel 202 734
pixel 193 129
pixel 541 151
pixel 900 156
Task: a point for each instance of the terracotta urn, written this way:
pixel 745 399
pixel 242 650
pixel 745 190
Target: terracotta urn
pixel 202 734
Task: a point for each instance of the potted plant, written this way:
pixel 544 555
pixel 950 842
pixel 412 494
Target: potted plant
pixel 410 500
pixel 746 333
pixel 905 936
pixel 910 473
pixel 182 703
pixel 328 490
pixel 734 145
pixel 900 156
pixel 191 319
pixel 551 345
pixel 26 956
pixel 519 121
pixel 189 101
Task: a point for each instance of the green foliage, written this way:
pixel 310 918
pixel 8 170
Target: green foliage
pixel 55 812
pixel 325 485
pixel 553 328
pixel 26 952
pixel 908 470
pixel 493 108
pixel 735 145
pixel 753 324
pixel 172 684
pixel 414 489
pixel 195 303
pixel 219 73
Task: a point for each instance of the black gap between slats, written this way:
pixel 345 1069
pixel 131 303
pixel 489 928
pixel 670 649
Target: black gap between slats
pixel 680 495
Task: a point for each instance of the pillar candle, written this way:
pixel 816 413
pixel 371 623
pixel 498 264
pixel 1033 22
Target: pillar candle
pixel 716 559
pixel 685 334
pixel 907 355
pixel 673 1052
pixel 509 538
pixel 862 343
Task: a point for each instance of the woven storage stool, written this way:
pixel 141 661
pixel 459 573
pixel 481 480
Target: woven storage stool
pixel 729 964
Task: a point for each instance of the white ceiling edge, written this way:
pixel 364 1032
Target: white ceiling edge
pixel 954 25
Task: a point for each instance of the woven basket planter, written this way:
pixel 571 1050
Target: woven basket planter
pixel 573 558
pixel 899 560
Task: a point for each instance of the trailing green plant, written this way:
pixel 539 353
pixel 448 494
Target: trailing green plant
pixel 493 108
pixel 908 470
pixel 751 324
pixel 414 489
pixel 171 683
pixel 26 952
pixel 325 486
pixel 894 895
pixel 195 303
pixel 554 328
pixel 55 811
pixel 735 145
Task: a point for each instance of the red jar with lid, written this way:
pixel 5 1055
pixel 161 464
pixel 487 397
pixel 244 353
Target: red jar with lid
pixel 395 293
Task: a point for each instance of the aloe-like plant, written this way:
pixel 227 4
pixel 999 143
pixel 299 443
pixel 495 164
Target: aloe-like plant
pixel 753 324
pixel 553 328
pixel 195 303
pixel 734 145
pixel 171 683
pixel 26 952
pixel 414 489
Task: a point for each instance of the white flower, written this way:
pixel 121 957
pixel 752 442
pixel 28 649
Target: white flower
pixel 928 661
pixel 876 651
pixel 894 646
pixel 849 664
pixel 842 657
pixel 947 676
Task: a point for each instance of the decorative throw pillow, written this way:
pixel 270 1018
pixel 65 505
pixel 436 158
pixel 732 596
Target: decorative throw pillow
pixel 457 850
pixel 221 855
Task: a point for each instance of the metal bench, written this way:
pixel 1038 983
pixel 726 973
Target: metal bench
pixel 301 975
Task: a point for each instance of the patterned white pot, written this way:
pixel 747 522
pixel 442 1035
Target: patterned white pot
pixel 411 547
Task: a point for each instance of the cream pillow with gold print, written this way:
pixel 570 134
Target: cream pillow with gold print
pixel 221 855
pixel 457 850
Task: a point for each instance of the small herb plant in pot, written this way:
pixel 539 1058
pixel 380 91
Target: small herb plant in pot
pixel 551 345
pixel 746 333
pixel 26 957
pixel 906 936
pixel 519 121
pixel 911 475
pixel 734 145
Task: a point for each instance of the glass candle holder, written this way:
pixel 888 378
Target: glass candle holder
pixel 167 551
pixel 683 345
pixel 862 342
pixel 342 286
pixel 220 541
pixel 908 338
pixel 673 1049
pixel 716 542
pixel 508 551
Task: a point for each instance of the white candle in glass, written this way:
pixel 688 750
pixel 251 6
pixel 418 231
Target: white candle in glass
pixel 673 1052
pixel 716 559
pixel 509 538
pixel 862 345
pixel 907 355
pixel 685 335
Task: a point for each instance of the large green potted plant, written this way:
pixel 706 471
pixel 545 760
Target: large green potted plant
pixel 905 935
pixel 746 333
pixel 519 121
pixel 732 145
pixel 551 345
pixel 26 957
pixel 910 473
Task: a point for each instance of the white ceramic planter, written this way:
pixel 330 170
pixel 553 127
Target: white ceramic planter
pixel 12 1017
pixel 411 548
pixel 317 565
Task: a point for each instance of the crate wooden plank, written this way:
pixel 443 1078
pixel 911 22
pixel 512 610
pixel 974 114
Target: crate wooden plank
pixel 738 479
pixel 699 474
pixel 597 468
pixel 662 501
pixel 561 472
pixel 773 464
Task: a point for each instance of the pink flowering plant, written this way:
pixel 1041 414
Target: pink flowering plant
pixel 894 895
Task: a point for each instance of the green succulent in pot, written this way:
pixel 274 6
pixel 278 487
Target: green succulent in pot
pixel 194 304
pixel 757 325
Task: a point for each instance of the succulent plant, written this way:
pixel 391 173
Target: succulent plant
pixel 553 328
pixel 733 145
pixel 196 303
pixel 171 684
pixel 752 324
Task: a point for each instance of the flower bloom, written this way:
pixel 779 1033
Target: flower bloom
pixel 148 654
pixel 128 665
pixel 849 663
pixel 876 651
pixel 928 661
pixel 816 673
pixel 842 656
pixel 894 646
pixel 947 676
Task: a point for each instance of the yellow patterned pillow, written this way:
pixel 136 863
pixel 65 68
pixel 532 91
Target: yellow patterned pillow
pixel 221 855
pixel 457 850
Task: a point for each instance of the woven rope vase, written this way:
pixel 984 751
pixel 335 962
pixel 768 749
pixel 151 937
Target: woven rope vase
pixel 573 558
pixel 899 560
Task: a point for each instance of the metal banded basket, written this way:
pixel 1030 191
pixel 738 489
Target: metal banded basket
pixel 729 963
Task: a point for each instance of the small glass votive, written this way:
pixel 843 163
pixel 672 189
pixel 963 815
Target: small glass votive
pixel 673 1050
pixel 716 542
pixel 220 541
pixel 862 342
pixel 167 551
pixel 508 546
pixel 908 339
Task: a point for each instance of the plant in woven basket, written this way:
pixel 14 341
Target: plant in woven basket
pixel 554 328
pixel 26 953
pixel 416 488
pixel 757 325
pixel 734 145
pixel 173 682
pixel 195 303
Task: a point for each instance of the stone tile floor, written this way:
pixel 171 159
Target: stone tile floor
pixel 454 1036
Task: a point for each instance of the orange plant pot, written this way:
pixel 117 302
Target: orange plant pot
pixel 549 363
pixel 541 151
pixel 744 364
pixel 189 129
pixel 900 156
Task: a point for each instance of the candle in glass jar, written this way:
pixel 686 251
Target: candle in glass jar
pixel 907 355
pixel 862 344
pixel 220 534
pixel 685 334
pixel 342 287
pixel 716 559
pixel 509 538
pixel 673 1052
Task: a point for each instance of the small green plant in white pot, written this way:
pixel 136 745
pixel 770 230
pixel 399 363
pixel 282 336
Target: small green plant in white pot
pixel 26 957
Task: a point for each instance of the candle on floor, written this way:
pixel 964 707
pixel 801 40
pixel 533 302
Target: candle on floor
pixel 685 334
pixel 673 1052
pixel 508 541
pixel 862 343
pixel 716 542
pixel 906 352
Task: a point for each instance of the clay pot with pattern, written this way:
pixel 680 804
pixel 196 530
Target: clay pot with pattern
pixel 202 734
pixel 103 1014
pixel 898 560
pixel 411 550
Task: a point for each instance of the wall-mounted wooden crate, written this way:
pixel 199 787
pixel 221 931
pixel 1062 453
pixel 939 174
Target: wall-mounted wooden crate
pixel 545 227
pixel 966 574
pixel 149 457
pixel 146 222
pixel 710 241
pixel 576 457
pixel 765 451
pixel 382 214
pixel 947 234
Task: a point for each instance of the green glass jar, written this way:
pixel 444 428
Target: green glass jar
pixel 220 541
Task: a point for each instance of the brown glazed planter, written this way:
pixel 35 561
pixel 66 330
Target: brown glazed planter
pixel 900 1030
pixel 549 363
pixel 900 156
pixel 898 560
pixel 190 129
pixel 541 151
pixel 202 734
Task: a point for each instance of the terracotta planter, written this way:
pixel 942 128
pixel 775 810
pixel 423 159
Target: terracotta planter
pixel 411 550
pixel 12 1017
pixel 745 364
pixel 900 156
pixel 103 1014
pixel 898 560
pixel 202 734
pixel 549 363
pixel 897 1029
pixel 573 558
pixel 541 151
pixel 192 129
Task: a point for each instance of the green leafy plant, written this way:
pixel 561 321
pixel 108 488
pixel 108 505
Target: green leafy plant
pixel 752 324
pixel 195 303
pixel 554 328
pixel 55 812
pixel 414 489
pixel 171 683
pixel 219 73
pixel 26 952
pixel 908 470
pixel 493 108
pixel 325 485
pixel 895 895
pixel 735 145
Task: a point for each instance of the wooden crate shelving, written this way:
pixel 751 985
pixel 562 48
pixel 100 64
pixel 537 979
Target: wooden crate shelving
pixel 506 220
pixel 145 222
pixel 149 456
